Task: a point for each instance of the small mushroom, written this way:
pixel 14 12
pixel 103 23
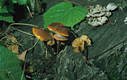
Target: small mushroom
pixel 111 6
pixel 98 14
pixel 78 45
pixel 79 42
pixel 86 39
pixel 61 32
pixel 43 35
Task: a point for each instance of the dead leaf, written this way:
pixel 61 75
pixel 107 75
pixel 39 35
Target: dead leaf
pixel 12 38
pixel 12 43
pixel 14 48
pixel 22 55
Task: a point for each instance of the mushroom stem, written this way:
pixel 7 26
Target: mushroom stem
pixel 46 51
pixel 58 42
pixel 76 50
pixel 51 42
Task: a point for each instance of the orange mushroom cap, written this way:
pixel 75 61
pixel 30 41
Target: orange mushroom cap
pixel 41 34
pixel 59 29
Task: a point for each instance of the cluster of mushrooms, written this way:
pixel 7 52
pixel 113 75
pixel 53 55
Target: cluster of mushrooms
pixel 61 34
pixel 98 15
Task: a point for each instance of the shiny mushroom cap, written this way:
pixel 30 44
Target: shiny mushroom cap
pixel 41 34
pixel 59 37
pixel 59 29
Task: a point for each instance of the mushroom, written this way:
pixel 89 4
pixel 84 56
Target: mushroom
pixel 79 42
pixel 111 6
pixel 43 35
pixel 61 32
pixel 98 14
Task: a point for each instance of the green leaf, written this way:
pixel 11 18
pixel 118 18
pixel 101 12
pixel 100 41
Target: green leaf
pixel 3 75
pixel 3 10
pixel 21 2
pixel 74 15
pixel 7 18
pixel 65 13
pixel 32 4
pixel 2 3
pixel 14 1
pixel 10 65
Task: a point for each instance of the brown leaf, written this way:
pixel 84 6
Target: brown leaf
pixel 14 48
pixel 11 43
pixel 22 55
pixel 12 38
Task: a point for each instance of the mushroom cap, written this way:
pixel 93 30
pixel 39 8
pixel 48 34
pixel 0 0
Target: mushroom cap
pixel 41 34
pixel 86 39
pixel 78 45
pixel 59 37
pixel 59 29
